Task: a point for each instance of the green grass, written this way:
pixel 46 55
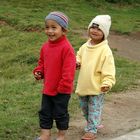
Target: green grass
pixel 21 36
pixel 127 75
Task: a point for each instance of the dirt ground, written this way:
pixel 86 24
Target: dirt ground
pixel 121 113
pixel 126 46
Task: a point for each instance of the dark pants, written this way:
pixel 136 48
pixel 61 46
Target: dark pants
pixel 54 108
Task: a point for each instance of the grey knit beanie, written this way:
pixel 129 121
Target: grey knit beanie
pixel 59 17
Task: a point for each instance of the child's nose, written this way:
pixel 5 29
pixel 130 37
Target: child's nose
pixel 48 30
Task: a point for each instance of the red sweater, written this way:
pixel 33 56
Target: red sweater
pixel 57 64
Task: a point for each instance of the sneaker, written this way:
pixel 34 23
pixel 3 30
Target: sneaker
pixel 100 126
pixel 88 136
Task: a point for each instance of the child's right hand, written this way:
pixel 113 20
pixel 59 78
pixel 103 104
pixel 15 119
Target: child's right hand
pixel 38 75
pixel 105 88
pixel 78 65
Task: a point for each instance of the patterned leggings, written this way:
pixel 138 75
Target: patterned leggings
pixel 92 108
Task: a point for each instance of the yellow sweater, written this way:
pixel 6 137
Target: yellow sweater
pixel 97 68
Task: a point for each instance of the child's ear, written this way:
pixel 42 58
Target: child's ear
pixel 64 31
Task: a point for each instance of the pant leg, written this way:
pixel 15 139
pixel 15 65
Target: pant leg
pixel 84 105
pixel 60 111
pixel 95 106
pixel 46 112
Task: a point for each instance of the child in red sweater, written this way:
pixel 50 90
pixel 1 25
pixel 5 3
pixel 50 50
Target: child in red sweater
pixel 56 66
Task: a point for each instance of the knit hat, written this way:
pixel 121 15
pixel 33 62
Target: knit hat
pixel 59 17
pixel 103 22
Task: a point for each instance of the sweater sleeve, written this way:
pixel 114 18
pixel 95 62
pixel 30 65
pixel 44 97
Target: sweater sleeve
pixel 40 67
pixel 108 71
pixel 68 71
pixel 78 56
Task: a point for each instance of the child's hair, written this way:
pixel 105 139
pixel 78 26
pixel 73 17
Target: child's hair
pixel 103 22
pixel 59 17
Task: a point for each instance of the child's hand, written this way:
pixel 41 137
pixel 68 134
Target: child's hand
pixel 38 75
pixel 105 88
pixel 78 65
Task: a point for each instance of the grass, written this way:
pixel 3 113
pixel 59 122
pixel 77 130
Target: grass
pixel 127 75
pixel 21 36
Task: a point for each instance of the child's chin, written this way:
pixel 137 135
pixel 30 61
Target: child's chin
pixel 51 39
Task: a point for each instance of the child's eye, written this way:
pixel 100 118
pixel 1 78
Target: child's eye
pixel 53 27
pixel 95 28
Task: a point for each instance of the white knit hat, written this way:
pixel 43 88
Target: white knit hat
pixel 104 22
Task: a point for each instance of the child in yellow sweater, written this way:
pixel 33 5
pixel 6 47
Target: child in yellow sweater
pixel 97 73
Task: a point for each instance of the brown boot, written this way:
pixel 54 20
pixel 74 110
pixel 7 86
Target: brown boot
pixel 88 136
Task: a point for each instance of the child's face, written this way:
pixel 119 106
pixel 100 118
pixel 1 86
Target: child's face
pixel 53 30
pixel 96 34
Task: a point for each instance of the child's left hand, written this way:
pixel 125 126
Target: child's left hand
pixel 38 75
pixel 78 65
pixel 105 88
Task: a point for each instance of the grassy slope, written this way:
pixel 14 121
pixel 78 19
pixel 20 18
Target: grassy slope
pixel 19 51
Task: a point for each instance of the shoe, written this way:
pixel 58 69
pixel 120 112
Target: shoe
pixel 88 136
pixel 100 126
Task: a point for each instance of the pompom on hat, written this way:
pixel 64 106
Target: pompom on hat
pixel 103 22
pixel 59 17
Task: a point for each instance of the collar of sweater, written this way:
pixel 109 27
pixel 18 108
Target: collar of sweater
pixel 89 45
pixel 58 40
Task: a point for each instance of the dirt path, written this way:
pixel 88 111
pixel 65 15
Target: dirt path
pixel 121 112
pixel 126 46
